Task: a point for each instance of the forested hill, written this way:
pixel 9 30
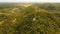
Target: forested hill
pixel 29 19
pixel 49 6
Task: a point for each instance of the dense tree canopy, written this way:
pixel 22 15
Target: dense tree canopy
pixel 30 20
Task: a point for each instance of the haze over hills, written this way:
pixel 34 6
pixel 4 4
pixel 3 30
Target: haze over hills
pixel 47 6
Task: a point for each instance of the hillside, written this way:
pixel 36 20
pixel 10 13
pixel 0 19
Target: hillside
pixel 29 19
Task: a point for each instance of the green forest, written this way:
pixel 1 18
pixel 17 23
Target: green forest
pixel 29 18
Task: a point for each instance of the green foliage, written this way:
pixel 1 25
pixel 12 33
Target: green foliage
pixel 30 20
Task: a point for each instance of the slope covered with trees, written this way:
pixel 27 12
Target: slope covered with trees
pixel 29 20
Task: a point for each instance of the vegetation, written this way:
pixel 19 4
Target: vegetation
pixel 29 19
